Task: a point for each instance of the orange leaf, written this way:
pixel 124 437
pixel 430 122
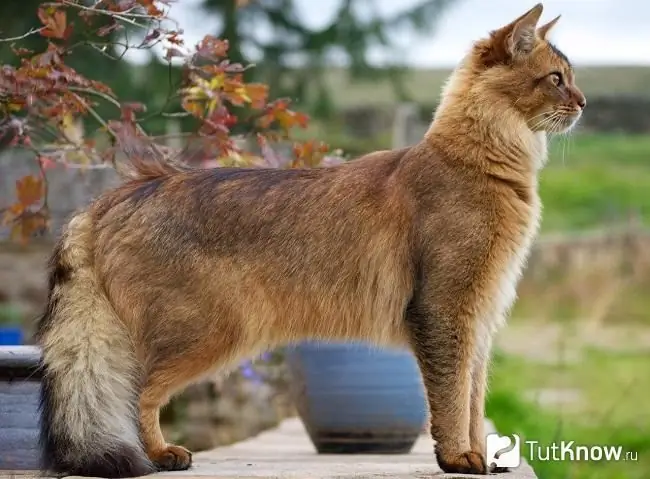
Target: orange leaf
pixel 28 224
pixel 257 93
pixel 12 213
pixel 30 190
pixel 193 107
pixel 288 119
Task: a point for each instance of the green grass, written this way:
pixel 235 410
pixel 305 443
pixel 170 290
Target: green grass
pixel 613 410
pixel 595 179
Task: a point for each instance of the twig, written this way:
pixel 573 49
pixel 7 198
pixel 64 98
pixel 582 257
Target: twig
pixel 180 114
pixel 172 93
pixel 118 105
pixel 123 16
pixel 102 50
pixel 45 182
pixel 106 12
pixel 89 91
pixel 23 36
pixel 94 114
pixel 126 13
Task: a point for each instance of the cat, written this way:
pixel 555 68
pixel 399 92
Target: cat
pixel 179 272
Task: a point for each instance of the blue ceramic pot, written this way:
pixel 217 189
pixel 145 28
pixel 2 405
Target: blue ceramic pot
pixel 354 398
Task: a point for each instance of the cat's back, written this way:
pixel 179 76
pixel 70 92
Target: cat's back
pixel 228 210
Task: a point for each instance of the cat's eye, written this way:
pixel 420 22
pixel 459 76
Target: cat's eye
pixel 557 79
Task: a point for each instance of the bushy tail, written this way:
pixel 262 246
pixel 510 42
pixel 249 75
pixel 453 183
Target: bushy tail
pixel 89 410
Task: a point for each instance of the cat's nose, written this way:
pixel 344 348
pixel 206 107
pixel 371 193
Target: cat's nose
pixel 581 101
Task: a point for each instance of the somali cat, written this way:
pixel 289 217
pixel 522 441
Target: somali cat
pixel 179 272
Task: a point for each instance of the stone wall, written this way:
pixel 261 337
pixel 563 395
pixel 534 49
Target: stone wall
pixel 69 188
pixel 597 277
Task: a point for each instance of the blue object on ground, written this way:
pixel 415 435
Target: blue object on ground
pixel 19 400
pixel 355 398
pixel 11 336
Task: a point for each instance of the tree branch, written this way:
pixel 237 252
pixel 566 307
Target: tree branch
pixel 21 37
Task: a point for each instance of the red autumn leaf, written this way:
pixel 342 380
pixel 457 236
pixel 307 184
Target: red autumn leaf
pixel 55 23
pixel 212 47
pixel 221 116
pixel 29 190
pixel 151 8
pixel 129 111
pixel 175 39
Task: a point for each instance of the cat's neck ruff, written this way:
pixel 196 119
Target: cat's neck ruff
pixel 485 119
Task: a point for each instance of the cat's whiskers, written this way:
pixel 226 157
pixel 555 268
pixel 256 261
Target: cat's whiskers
pixel 564 140
pixel 545 121
pixel 568 136
pixel 564 135
pixel 541 122
pixel 543 114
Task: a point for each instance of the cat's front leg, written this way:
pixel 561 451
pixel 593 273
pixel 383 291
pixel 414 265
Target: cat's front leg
pixel 443 343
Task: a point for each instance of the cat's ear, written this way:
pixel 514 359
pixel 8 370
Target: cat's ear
pixel 520 40
pixel 514 40
pixel 542 32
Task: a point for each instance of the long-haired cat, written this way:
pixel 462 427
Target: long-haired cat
pixel 179 271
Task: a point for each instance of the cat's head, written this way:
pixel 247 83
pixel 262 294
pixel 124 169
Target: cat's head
pixel 517 62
